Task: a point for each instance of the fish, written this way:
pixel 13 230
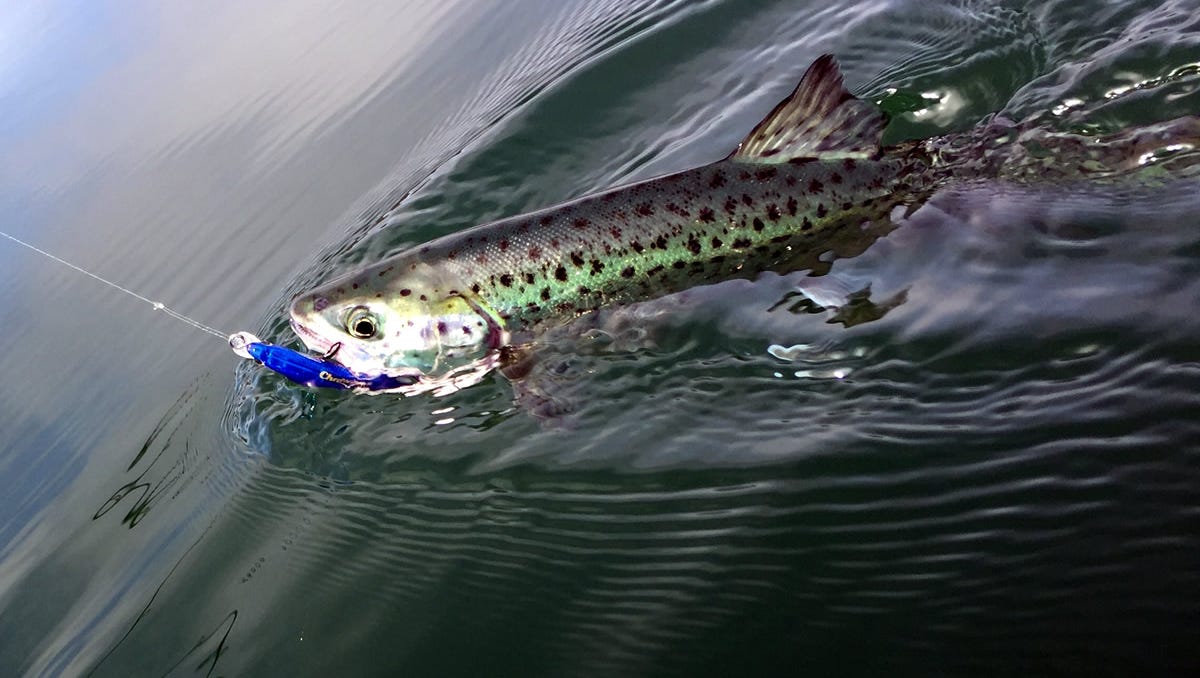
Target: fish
pixel 809 184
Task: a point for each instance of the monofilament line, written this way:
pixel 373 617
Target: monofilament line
pixel 157 305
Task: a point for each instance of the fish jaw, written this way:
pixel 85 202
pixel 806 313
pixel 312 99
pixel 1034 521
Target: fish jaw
pixel 377 322
pixel 312 339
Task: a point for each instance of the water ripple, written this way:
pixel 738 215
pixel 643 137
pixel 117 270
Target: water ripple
pixel 1002 463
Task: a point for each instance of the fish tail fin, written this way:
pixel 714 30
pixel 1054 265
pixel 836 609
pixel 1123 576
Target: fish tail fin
pixel 1040 154
pixel 1158 142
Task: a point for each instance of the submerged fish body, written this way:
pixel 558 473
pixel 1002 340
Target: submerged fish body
pixel 809 184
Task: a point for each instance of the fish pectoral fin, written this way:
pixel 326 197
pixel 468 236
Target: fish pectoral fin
pixel 821 119
pixel 537 381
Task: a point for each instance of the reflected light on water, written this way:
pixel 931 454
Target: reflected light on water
pixel 285 70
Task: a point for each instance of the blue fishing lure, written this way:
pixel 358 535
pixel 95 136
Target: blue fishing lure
pixel 309 371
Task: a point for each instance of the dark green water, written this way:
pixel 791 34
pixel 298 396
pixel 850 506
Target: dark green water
pixel 1001 476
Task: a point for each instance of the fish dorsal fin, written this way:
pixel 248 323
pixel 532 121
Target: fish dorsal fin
pixel 821 119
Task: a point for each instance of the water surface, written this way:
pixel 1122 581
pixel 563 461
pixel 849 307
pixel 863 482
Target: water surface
pixel 1000 475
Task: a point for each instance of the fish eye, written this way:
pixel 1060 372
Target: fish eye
pixel 361 324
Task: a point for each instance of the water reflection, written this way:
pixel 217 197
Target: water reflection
pixel 147 491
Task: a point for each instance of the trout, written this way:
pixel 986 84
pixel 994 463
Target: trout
pixel 809 184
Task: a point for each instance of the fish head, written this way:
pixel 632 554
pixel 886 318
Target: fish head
pixel 375 323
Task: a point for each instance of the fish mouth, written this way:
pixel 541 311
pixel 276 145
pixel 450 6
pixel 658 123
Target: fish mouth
pixel 313 341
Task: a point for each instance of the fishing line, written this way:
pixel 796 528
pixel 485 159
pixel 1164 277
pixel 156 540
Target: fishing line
pixel 157 305
pixel 300 368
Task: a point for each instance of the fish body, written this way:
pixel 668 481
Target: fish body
pixel 810 183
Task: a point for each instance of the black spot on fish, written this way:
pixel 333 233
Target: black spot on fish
pixel 676 209
pixel 741 243
pixel 650 273
pixel 792 206
pixel 821 211
pixel 815 186
pixel 535 253
pixel 718 179
pixel 716 243
pixel 781 238
pixel 707 215
pixel 807 225
pixel 405 292
pixel 849 164
pixel 576 259
pixel 693 245
pixel 545 220
pixel 560 273
pixel 466 330
pixel 847 205
pixel 424 298
pixel 597 266
pixel 773 212
pixel 758 224
pixel 580 222
pixel 441 327
pixel 583 291
pixel 505 279
pixel 545 294
pixel 637 247
pixel 475 288
pixel 835 178
pixel 801 161
pixel 730 205
pixel 627 272
pixel 354 285
pixel 679 263
pixel 660 242
pixel 645 209
pixel 529 278
pixel 765 173
pixel 747 200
